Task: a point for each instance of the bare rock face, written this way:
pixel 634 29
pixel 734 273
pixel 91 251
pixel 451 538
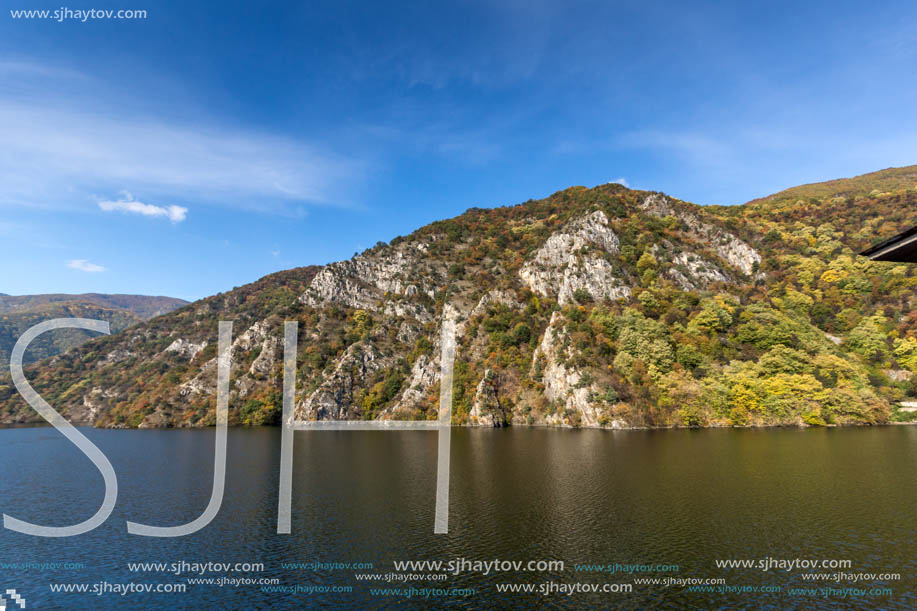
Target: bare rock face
pixel 117 356
pixel 703 272
pixel 492 297
pixel 264 362
pixel 408 309
pixel 258 334
pixel 334 398
pixel 727 246
pixel 424 374
pixel 362 282
pixel 486 409
pixel 93 405
pixel 692 271
pixel 564 384
pixel 185 348
pixel 572 259
pixel 155 420
pixel 205 382
pixel 899 375
pixel 340 283
pixel 426 371
pixel 408 333
pixel 255 334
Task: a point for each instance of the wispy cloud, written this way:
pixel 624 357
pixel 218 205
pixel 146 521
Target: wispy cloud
pixel 619 181
pixel 127 203
pixel 85 266
pixel 28 69
pixel 55 154
pixel 698 146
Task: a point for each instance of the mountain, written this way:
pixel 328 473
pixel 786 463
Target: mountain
pixel 142 306
pixel 883 181
pixel 19 313
pixel 602 307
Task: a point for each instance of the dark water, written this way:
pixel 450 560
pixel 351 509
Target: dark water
pixel 667 497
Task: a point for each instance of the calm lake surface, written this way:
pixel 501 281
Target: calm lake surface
pixel 590 497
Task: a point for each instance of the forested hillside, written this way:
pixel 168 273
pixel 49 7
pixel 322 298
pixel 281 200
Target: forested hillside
pixel 19 313
pixel 603 307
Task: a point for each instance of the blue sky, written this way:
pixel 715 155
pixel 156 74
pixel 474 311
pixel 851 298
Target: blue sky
pixel 212 143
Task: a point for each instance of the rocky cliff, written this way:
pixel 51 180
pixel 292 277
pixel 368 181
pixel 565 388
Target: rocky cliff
pixel 604 307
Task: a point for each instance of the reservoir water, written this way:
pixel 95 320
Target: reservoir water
pixel 684 498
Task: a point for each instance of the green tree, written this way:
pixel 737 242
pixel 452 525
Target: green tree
pixel 906 352
pixel 869 339
pixel 647 261
pixel 781 359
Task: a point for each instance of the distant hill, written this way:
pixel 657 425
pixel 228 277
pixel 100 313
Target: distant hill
pixel 884 181
pixel 19 313
pixel 140 305
pixel 604 307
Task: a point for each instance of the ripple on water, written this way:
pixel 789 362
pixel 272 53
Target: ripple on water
pixel 596 497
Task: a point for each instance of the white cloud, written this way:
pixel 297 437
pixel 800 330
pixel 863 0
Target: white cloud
pixel 85 266
pixel 619 181
pixel 127 203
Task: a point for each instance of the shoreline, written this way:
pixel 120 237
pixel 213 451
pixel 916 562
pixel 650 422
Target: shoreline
pixel 31 425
